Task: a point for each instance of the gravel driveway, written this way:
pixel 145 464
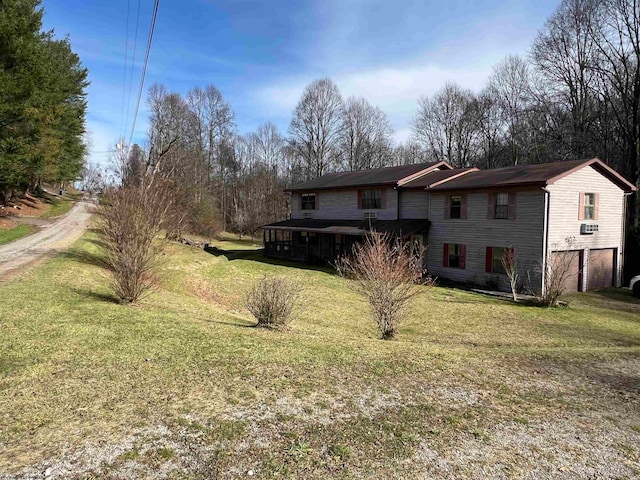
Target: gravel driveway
pixel 49 241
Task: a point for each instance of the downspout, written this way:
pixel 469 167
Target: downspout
pixel 545 237
pixel 623 242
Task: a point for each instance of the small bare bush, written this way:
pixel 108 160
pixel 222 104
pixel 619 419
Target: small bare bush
pixel 130 219
pixel 273 301
pixel 509 262
pixel 385 272
pixel 557 270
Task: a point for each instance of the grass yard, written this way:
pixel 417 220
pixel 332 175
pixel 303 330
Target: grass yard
pixel 57 206
pixel 11 234
pixel 183 387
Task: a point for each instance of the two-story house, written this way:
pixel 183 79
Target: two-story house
pixel 467 217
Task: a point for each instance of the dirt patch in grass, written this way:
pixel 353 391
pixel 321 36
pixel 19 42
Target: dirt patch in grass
pixel 41 206
pixel 6 224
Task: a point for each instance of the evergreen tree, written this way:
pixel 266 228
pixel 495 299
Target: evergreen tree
pixel 42 102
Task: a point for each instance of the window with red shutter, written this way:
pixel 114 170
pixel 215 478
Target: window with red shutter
pixel 455 255
pixel 455 206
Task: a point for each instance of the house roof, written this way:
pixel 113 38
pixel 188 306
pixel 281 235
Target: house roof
pixel 361 178
pixel 533 175
pixel 353 227
pixel 437 177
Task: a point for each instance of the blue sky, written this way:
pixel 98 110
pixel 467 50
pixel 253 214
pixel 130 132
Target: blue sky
pixel 261 54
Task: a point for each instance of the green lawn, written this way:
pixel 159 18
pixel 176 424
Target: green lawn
pixel 58 206
pixel 183 384
pixel 11 234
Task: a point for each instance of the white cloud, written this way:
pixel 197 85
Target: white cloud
pixel 395 89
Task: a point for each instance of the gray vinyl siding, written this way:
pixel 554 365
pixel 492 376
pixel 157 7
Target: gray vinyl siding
pixel 477 232
pixel 343 205
pixel 563 215
pixel 414 204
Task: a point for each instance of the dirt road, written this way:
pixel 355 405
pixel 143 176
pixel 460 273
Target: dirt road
pixel 16 255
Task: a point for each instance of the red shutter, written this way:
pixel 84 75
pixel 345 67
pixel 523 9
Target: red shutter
pixel 447 206
pixel 489 260
pixel 596 203
pixel 463 207
pixel 445 259
pixel 383 196
pixel 491 211
pixel 512 205
pixel 360 199
pixel 463 256
pixel 317 201
pixel 581 207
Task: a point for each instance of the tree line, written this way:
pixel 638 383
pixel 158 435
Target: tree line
pixel 42 103
pixel 575 95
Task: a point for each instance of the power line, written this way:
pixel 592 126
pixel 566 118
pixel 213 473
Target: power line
pixel 133 62
pixel 144 66
pixel 124 74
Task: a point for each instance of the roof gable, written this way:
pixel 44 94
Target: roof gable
pixel 530 175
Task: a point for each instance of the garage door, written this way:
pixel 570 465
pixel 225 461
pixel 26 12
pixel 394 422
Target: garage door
pixel 601 264
pixel 568 266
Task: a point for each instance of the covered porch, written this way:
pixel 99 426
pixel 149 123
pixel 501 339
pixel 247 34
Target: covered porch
pixel 323 241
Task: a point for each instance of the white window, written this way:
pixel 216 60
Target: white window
pixel 308 201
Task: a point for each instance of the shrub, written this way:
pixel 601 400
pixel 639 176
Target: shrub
pixel 385 272
pixel 273 300
pixel 130 219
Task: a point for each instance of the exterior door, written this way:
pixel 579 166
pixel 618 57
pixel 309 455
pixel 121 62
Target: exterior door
pixel 568 265
pixel 601 268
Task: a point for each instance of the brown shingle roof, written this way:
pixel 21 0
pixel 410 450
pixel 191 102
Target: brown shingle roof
pixel 361 178
pixel 523 175
pixel 436 177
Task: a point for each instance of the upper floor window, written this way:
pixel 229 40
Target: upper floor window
pixel 371 198
pixel 589 206
pixel 308 201
pixel 501 206
pixel 455 206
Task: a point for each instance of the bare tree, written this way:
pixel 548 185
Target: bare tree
pixel 315 127
pixel 168 125
pixel 269 144
pixel 509 262
pixel 365 137
pixel 509 86
pixel 447 125
pixel 617 38
pixel 491 132
pixel 565 54
pixel 408 153
pixel 94 177
pixel 384 270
